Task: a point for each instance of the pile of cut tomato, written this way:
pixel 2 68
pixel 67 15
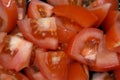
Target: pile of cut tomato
pixel 59 40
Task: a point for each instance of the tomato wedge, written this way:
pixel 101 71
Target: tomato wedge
pixel 87 39
pixel 101 12
pixel 38 9
pixel 103 65
pixel 66 29
pixel 112 36
pixel 78 14
pixel 88 47
pixel 41 33
pixel 8 15
pixel 16 53
pixel 77 72
pixel 112 18
pixel 53 64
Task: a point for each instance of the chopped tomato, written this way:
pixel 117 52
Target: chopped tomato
pixel 38 9
pixel 21 8
pixel 114 3
pixel 101 12
pixel 85 46
pixel 66 29
pixel 59 40
pixel 16 53
pixel 112 18
pixel 66 2
pixel 88 47
pixel 103 65
pixel 112 36
pixel 77 72
pixel 78 14
pixel 41 32
pixel 53 64
pixel 8 15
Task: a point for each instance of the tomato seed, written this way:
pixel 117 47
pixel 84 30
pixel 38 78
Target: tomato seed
pixel 42 12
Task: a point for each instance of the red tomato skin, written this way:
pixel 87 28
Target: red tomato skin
pixel 65 2
pixel 51 70
pixel 75 46
pixel 18 60
pixel 109 62
pixel 77 14
pixel 111 18
pixel 66 29
pixel 10 9
pixel 101 12
pixel 112 36
pixel 100 2
pixel 77 72
pixel 102 64
pixel 33 10
pixel 47 43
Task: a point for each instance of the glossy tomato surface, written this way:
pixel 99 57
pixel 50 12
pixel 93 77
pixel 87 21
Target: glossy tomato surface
pixel 8 16
pixel 52 64
pixel 59 40
pixel 40 36
pixel 78 14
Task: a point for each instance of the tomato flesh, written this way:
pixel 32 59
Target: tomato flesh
pixel 38 9
pixel 77 68
pixel 111 18
pixel 101 12
pixel 112 36
pixel 8 19
pixel 47 42
pixel 85 44
pixel 52 64
pixel 114 3
pixel 14 52
pixel 78 14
